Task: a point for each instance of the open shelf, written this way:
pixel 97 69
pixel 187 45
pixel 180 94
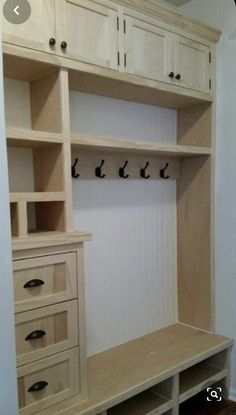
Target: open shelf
pixel 145 403
pixel 194 379
pixel 123 372
pixel 98 143
pixel 23 137
pixel 37 197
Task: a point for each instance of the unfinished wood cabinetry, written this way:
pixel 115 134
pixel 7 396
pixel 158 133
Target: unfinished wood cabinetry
pixel 38 29
pixel 147 49
pixel 89 32
pixel 140 52
pixel 49 319
pixel 122 36
pixel 193 64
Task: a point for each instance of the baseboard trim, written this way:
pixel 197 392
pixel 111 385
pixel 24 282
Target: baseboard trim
pixel 232 395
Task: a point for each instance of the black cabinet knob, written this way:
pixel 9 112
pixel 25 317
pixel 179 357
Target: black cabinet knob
pixel 37 387
pixel 171 75
pixel 178 77
pixel 34 283
pixel 63 45
pixel 37 334
pixel 52 41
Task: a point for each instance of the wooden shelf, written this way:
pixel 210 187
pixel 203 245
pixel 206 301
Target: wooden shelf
pixel 98 143
pixel 192 380
pixel 46 239
pixel 37 197
pixel 124 371
pixel 144 403
pixel 31 138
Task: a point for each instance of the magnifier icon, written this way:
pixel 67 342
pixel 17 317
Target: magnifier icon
pixel 214 394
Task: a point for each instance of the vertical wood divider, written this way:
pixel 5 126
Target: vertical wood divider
pixel 22 219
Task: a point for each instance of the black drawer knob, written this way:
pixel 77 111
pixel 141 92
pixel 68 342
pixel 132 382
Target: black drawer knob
pixel 38 386
pixel 178 77
pixel 63 44
pixel 37 334
pixel 171 75
pixel 34 283
pixel 52 41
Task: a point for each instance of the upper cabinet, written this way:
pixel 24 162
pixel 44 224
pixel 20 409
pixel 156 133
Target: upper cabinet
pixel 108 35
pixel 38 32
pixel 87 31
pixel 192 64
pixel 156 53
pixel 147 49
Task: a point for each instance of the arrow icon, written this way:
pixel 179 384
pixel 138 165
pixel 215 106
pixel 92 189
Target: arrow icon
pixel 16 10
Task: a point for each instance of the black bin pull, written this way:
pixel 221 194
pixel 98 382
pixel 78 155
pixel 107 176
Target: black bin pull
pixel 37 334
pixel 34 283
pixel 38 386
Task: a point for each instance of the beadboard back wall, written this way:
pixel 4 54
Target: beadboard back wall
pixel 130 285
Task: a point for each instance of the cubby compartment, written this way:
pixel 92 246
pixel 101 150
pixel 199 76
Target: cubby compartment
pixel 202 375
pixel 14 219
pixel 45 217
pixel 36 168
pixel 33 103
pixel 203 402
pixel 153 400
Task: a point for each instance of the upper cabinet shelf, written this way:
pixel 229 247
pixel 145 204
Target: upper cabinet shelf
pixel 108 36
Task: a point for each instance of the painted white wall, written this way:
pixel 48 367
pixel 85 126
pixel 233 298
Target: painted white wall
pixel 8 388
pixel 222 14
pixel 131 261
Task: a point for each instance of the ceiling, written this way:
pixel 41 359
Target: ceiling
pixel 177 2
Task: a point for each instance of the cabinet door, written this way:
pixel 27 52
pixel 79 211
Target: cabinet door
pixel 89 30
pixel 147 50
pixel 36 32
pixel 192 64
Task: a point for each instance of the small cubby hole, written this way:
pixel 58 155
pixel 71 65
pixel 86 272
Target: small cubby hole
pixel 34 103
pixel 36 168
pixel 148 401
pixel 14 219
pixel 46 217
pixel 199 403
pixel 202 372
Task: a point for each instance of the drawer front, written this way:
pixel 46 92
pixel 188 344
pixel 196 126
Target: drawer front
pixel 46 331
pixel 48 381
pixel 44 280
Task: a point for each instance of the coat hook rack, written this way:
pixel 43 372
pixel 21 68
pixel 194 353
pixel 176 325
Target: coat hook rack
pixel 98 171
pixel 143 171
pixel 122 171
pixel 163 172
pixel 73 170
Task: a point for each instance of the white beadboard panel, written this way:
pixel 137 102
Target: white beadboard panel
pixel 131 286
pixel 17 103
pixel 21 169
pixel 108 117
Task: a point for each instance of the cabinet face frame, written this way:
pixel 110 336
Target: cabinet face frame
pixel 30 34
pixel 62 25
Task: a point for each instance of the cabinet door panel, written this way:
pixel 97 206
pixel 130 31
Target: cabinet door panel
pixel 90 31
pixel 37 30
pixel 147 50
pixel 192 63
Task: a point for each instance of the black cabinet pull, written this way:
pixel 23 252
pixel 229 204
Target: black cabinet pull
pixel 37 334
pixel 38 386
pixel 34 283
pixel 52 41
pixel 171 75
pixel 178 76
pixel 63 45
